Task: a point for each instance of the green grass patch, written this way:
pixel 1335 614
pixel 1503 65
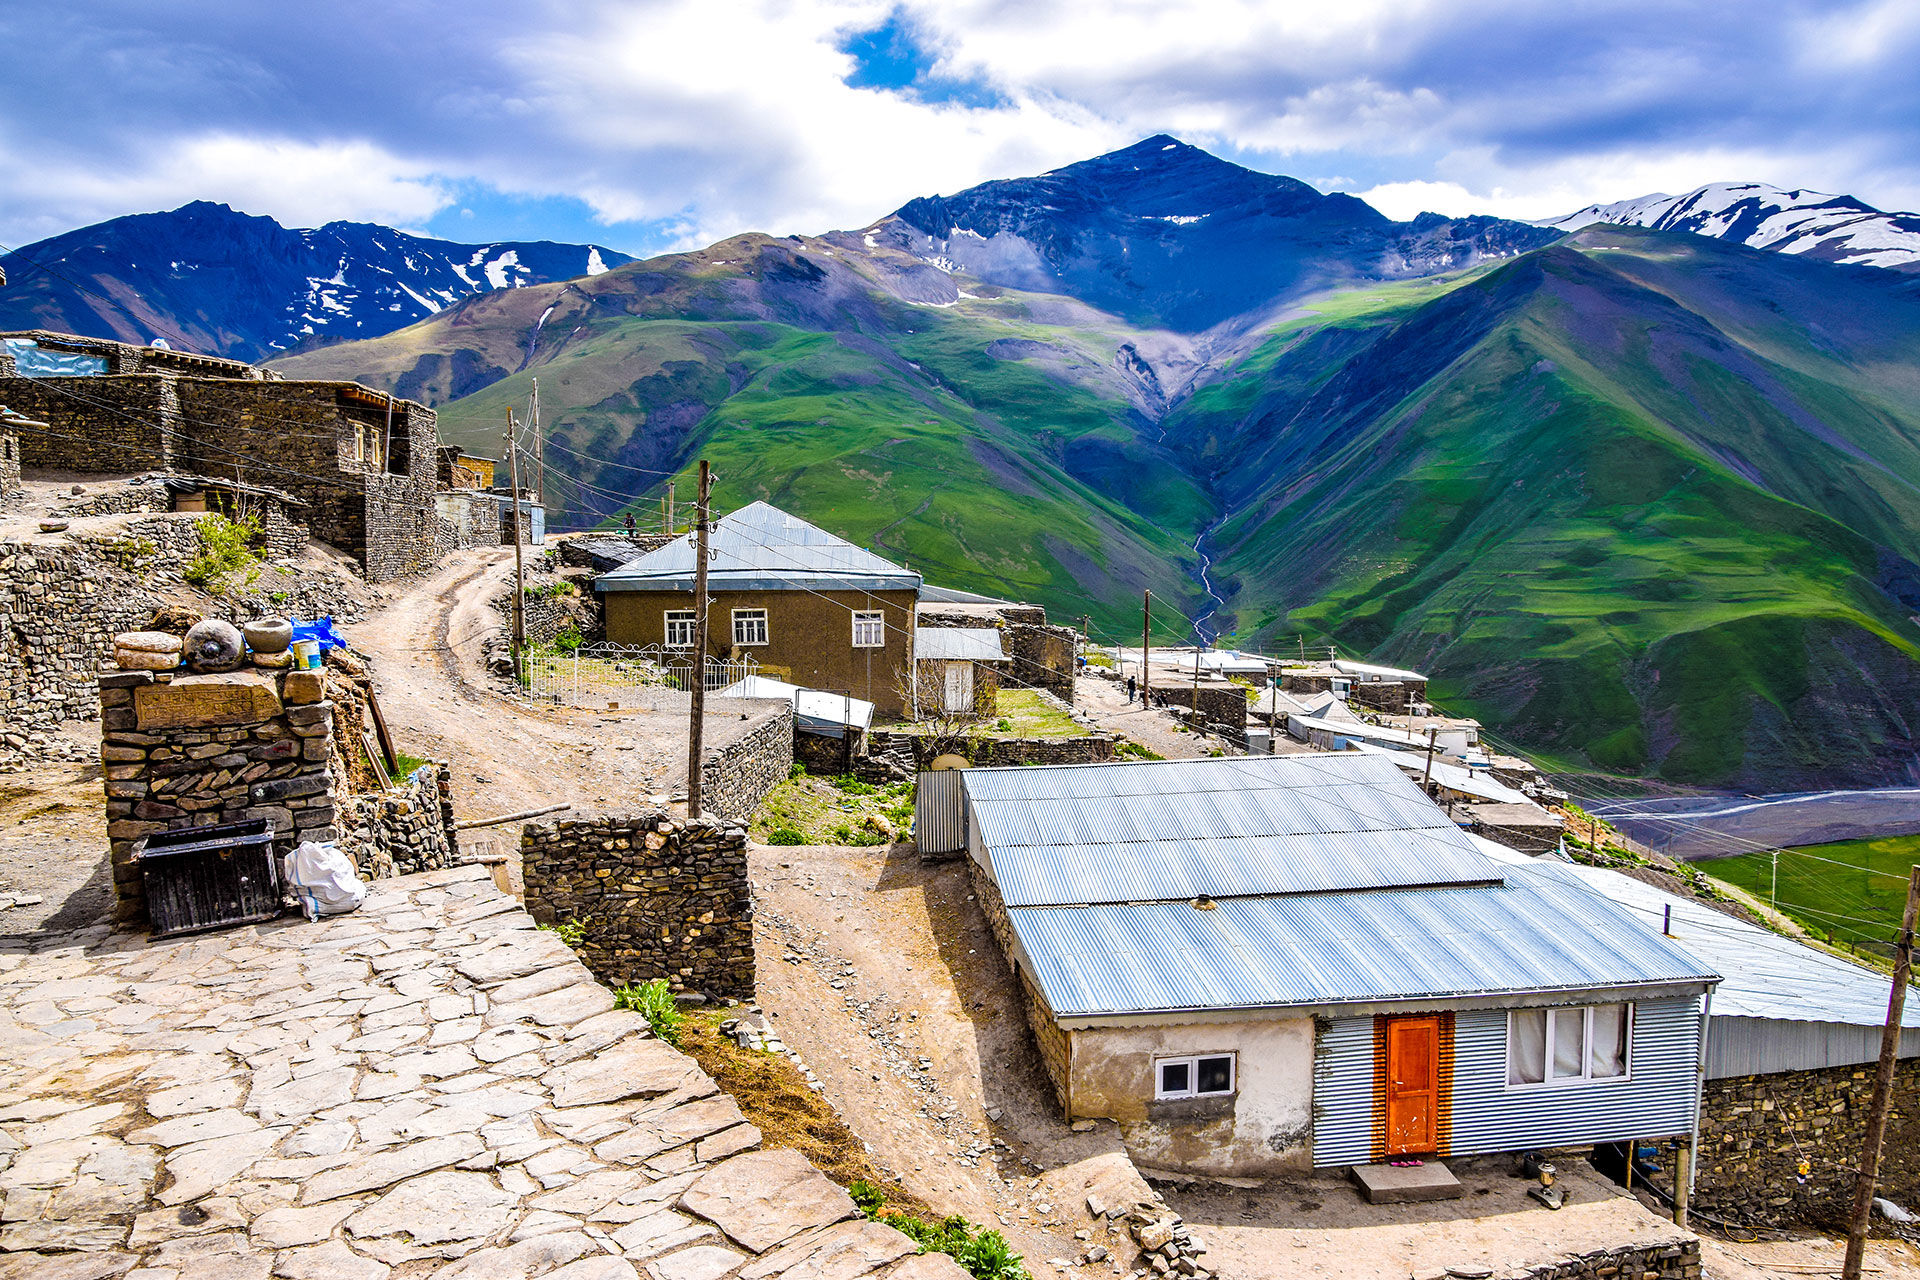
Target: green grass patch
pixel 808 809
pixel 1851 893
pixel 1023 713
pixel 983 1254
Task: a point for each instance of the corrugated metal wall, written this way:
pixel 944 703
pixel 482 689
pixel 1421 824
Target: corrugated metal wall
pixel 939 812
pixel 1655 1100
pixel 1762 1046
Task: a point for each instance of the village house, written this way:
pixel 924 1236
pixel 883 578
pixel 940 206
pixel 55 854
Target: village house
pixel 363 464
pixel 798 603
pixel 1038 654
pixel 1262 964
pixel 957 670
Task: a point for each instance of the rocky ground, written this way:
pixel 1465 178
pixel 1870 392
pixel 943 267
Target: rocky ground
pixel 428 1086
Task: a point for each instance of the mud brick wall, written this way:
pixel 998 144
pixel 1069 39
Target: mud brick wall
pixel 736 778
pixel 1754 1131
pixel 405 830
pixel 110 425
pixel 190 751
pixel 659 897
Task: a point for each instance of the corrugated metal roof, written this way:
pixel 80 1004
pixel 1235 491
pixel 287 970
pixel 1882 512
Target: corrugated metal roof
pixel 1361 731
pixel 1375 670
pixel 1451 776
pixel 1767 975
pixel 958 644
pixel 1175 829
pixel 762 548
pixel 1532 934
pixel 810 706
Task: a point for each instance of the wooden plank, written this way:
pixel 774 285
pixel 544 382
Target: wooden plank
pixel 380 727
pixel 380 773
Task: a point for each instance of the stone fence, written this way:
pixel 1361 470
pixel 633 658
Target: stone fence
pixel 1675 1259
pixel 1756 1130
pixel 656 896
pixel 736 778
pixel 407 829
pixel 983 750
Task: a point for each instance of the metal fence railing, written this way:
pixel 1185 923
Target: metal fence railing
pixel 606 674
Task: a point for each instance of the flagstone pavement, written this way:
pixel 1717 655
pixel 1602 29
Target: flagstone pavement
pixel 427 1087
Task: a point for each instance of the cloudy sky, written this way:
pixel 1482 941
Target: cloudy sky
pixel 655 124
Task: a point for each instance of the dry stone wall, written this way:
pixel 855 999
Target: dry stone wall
pixel 405 830
pixel 658 897
pixel 736 778
pixel 982 752
pixel 1755 1131
pixel 191 751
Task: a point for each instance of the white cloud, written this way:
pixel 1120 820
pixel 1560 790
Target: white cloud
pixel 301 184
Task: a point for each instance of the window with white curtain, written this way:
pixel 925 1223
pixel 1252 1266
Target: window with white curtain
pixel 1560 1046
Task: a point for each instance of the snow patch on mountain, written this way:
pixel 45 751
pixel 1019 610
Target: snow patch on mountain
pixel 1812 224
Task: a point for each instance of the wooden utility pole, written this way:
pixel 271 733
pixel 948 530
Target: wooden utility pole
pixel 1426 782
pixel 1882 1086
pixel 696 721
pixel 1146 629
pixel 519 569
pixel 672 515
pixel 539 451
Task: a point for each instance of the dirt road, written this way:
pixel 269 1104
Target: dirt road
pixel 1105 702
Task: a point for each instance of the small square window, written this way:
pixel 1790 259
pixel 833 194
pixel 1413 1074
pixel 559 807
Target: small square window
pixel 1200 1077
pixel 680 625
pixel 869 630
pixel 749 626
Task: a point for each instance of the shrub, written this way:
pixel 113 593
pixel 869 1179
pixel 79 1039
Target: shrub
pixel 226 551
pixel 796 770
pixel 568 641
pixel 985 1255
pixel 654 1002
pixel 571 932
pixel 785 835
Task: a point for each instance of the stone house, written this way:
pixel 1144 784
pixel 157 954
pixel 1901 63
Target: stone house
pixel 1390 689
pixel 363 463
pixel 801 604
pixel 957 670
pixel 1039 654
pixel 1259 964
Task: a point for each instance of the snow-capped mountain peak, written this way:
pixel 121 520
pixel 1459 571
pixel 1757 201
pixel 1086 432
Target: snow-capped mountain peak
pixel 1813 224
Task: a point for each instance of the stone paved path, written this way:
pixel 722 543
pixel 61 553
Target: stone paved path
pixel 425 1087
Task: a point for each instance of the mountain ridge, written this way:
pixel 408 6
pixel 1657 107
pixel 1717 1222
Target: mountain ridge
pixel 210 279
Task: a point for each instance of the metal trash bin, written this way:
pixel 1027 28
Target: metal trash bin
pixel 199 878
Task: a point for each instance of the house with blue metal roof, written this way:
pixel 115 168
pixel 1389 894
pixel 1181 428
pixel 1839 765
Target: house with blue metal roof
pixel 806 606
pixel 1255 964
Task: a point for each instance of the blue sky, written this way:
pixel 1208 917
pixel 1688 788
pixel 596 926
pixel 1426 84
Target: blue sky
pixel 649 125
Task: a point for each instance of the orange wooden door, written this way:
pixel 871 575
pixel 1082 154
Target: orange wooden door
pixel 1413 1085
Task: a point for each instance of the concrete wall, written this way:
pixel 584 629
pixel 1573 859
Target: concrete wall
pixel 660 897
pixel 809 636
pixel 1264 1126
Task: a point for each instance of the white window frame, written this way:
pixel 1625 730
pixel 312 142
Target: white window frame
pixel 878 623
pixel 1586 1076
pixel 1192 1063
pixel 750 617
pixel 686 622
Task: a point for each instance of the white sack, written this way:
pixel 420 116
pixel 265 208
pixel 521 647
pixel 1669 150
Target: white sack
pixel 322 878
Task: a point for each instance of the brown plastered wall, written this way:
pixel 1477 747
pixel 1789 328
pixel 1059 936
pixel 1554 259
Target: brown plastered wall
pixel 810 635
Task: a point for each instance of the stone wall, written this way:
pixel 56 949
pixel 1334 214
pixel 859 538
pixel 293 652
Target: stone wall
pixel 1220 704
pixel 467 518
pixel 1044 657
pixel 405 830
pixel 736 778
pixel 1755 1131
pixel 1391 696
pixel 110 426
pixel 9 464
pixel 1675 1259
pixel 1056 1046
pixel 829 756
pixel 189 751
pixel 982 751
pixel 658 897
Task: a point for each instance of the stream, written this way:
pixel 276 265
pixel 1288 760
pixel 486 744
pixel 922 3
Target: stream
pixel 1204 631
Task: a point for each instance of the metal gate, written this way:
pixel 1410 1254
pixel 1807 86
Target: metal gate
pixel 939 812
pixel 604 674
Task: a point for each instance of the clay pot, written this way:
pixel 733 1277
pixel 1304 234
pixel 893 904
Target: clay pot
pixel 214 645
pixel 268 635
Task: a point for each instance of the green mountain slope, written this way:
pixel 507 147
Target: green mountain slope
pixel 988 450
pixel 1642 500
